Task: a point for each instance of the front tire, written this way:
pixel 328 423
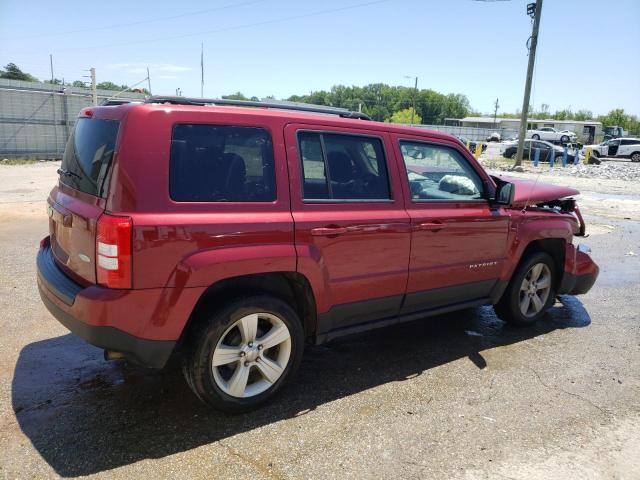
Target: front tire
pixel 564 139
pixel 531 291
pixel 239 356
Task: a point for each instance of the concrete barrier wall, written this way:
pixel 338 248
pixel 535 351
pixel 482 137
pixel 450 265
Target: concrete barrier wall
pixel 36 119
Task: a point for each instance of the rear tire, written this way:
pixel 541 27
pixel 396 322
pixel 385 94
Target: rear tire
pixel 531 291
pixel 635 157
pixel 535 137
pixel 239 356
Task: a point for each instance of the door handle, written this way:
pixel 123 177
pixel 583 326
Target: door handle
pixel 431 226
pixel 328 231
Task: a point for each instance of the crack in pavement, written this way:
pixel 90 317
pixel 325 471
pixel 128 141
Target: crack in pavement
pixel 584 399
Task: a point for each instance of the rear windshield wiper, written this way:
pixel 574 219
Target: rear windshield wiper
pixel 69 173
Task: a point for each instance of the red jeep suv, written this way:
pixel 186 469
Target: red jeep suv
pixel 233 232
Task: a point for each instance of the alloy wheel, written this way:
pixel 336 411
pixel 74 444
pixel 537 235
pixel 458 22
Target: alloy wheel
pixel 535 289
pixel 251 355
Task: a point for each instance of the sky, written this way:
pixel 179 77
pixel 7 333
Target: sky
pixel 588 51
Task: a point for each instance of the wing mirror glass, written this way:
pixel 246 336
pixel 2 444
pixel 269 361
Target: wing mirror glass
pixel 505 193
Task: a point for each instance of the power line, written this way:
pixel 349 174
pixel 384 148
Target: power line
pixel 228 29
pixel 139 22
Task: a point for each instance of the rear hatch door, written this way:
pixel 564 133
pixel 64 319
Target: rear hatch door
pixel 79 199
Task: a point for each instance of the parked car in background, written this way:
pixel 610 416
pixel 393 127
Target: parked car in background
pixel 551 134
pixel 471 144
pixel 617 148
pixel 547 151
pixel 494 137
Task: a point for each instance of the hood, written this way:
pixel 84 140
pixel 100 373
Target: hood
pixel 531 192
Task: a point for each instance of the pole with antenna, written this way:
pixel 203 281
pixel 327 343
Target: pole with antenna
pixel 51 63
pixel 495 113
pixel 149 80
pixel 202 70
pixel 94 91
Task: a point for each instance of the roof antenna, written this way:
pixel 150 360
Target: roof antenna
pixel 533 187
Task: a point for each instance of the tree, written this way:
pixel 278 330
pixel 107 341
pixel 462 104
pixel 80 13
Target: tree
pixel 582 115
pixel 12 72
pixel 617 117
pixel 405 116
pixel 55 81
pixel 79 84
pixel 111 86
pixel 235 96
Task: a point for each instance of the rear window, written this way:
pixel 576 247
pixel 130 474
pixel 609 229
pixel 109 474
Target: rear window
pixel 86 163
pixel 217 163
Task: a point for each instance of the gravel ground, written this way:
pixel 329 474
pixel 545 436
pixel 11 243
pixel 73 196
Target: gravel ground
pixel 460 396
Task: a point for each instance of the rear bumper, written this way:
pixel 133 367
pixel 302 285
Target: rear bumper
pixel 95 314
pixel 580 272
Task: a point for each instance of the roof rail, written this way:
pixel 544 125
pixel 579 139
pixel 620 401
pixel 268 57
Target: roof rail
pixel 282 105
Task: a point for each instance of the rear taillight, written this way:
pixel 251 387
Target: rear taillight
pixel 113 251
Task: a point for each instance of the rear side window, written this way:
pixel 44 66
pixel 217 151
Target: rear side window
pixel 343 167
pixel 217 163
pixel 86 163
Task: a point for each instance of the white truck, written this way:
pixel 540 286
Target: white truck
pixel 617 148
pixel 551 134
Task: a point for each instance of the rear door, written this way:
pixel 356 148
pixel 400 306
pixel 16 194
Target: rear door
pixel 75 204
pixel 458 243
pixel 351 229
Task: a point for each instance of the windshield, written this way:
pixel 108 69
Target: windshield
pixel 87 158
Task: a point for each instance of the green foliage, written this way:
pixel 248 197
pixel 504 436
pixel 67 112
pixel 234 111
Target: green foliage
pixel 406 116
pixel 380 101
pixel 55 81
pixel 235 96
pixel 111 86
pixel 12 72
pixel 79 84
pixel 617 117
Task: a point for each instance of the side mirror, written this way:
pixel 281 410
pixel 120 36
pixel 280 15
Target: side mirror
pixel 505 193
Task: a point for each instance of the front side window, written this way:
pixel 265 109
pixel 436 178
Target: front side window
pixel 437 172
pixel 343 167
pixel 218 163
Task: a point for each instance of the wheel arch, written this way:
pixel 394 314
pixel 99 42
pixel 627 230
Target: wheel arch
pixel 291 287
pixel 555 247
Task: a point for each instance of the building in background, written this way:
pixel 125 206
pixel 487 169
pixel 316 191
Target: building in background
pixel 587 131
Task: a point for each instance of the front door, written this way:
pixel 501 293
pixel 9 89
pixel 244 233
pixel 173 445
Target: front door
pixel 458 242
pixel 613 148
pixel 352 232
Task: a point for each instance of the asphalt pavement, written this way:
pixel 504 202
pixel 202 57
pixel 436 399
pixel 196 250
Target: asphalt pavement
pixel 455 396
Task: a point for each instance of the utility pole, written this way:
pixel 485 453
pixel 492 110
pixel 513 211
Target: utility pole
pixel 535 10
pixel 149 80
pixel 51 63
pixel 202 70
pixel 415 92
pixel 495 113
pixel 94 91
